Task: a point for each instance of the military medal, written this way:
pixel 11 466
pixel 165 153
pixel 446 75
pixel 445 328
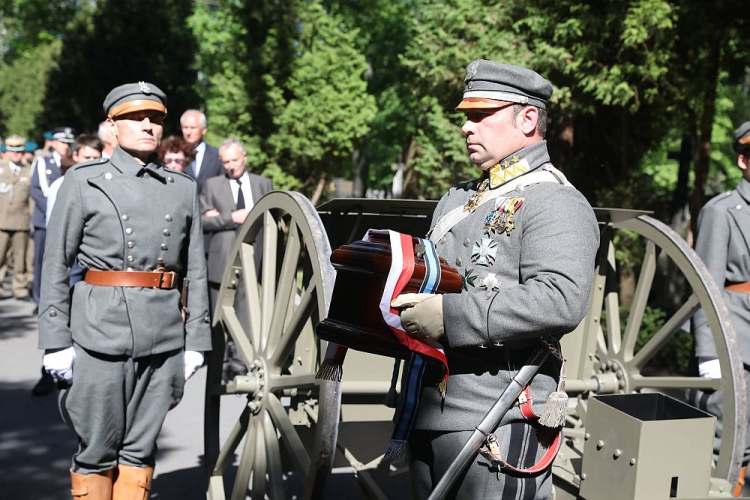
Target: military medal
pixel 468 279
pixel 419 250
pixel 490 283
pixel 501 219
pixel 484 252
pixel 476 198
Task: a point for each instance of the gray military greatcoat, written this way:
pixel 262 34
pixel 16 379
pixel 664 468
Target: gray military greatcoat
pixel 116 214
pixel 520 286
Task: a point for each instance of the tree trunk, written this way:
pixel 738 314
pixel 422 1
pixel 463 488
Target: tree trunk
pixel 411 184
pixel 319 188
pixel 703 152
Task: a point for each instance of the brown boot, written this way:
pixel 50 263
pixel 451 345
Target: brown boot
pixel 740 483
pixel 132 483
pixel 91 486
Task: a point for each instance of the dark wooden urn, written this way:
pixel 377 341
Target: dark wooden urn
pixel 354 319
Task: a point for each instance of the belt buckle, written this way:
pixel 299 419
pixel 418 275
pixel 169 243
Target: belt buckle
pixel 161 272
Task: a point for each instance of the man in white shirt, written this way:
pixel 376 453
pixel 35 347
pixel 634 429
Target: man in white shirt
pixel 225 203
pixel 207 163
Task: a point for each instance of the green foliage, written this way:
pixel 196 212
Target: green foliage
pixel 287 81
pixel 673 357
pixel 22 88
pixel 329 109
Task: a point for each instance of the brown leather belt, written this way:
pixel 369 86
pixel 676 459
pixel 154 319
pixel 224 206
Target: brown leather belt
pixel 738 287
pixel 156 279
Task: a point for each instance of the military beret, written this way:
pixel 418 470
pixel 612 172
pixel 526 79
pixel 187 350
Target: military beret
pixel 133 97
pixel 14 143
pixel 490 84
pixel 741 138
pixel 48 135
pixel 63 134
pixel 30 146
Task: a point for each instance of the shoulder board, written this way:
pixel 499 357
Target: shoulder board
pixel 91 163
pixel 472 184
pixel 719 198
pixel 181 174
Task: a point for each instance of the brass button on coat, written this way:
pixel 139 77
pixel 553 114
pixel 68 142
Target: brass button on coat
pixel 166 232
pixel 129 230
pixel 125 217
pixel 130 259
pixel 164 247
pixel 108 176
pixel 131 244
pixel 53 314
pixel 168 218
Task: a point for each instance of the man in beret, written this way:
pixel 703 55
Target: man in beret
pixel 135 228
pixel 15 183
pixel 722 243
pixel 525 241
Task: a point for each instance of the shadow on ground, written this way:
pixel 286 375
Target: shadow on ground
pixel 35 445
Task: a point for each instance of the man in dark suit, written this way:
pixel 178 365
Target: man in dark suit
pixel 206 163
pixel 225 203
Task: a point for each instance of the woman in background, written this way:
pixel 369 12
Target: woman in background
pixel 175 153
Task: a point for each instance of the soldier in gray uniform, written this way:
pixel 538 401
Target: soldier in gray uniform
pixel 135 227
pixel 723 243
pixel 525 241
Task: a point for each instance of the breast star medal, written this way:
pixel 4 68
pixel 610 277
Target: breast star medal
pixel 484 252
pixel 468 279
pixel 476 198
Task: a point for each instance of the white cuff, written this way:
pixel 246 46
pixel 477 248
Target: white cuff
pixel 709 367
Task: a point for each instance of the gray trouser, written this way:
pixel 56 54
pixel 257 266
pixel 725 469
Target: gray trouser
pixel 712 402
pixel 432 452
pixel 117 405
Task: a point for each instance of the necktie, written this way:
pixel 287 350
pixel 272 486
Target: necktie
pixel 193 165
pixel 240 196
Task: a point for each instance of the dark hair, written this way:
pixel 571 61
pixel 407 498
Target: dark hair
pixel 176 144
pixel 89 140
pixel 541 122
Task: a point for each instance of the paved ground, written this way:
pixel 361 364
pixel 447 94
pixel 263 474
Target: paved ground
pixel 36 446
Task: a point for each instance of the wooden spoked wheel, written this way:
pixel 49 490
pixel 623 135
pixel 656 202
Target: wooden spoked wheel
pixel 609 358
pixel 288 426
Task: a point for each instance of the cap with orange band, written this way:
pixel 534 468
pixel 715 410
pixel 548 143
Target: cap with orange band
pixel 133 97
pixel 741 139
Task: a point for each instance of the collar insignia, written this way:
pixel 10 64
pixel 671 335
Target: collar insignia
pixel 507 170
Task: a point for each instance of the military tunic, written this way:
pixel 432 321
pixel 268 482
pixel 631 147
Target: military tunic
pixel 723 243
pixel 116 214
pixel 520 285
pixel 14 221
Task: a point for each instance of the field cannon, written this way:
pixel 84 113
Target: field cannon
pixel 288 431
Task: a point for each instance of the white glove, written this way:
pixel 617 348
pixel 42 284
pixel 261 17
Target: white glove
pixel 422 315
pixel 193 361
pixel 709 367
pixel 59 364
